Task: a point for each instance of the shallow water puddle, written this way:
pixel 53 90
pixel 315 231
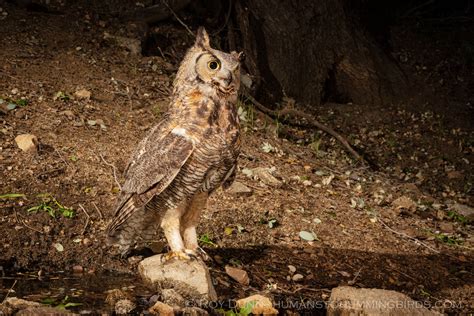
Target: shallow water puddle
pixel 80 293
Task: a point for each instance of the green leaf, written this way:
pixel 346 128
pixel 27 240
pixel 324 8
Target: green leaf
pixel 11 196
pixel 71 304
pixel 22 102
pixel 308 236
pixel 48 301
pixel 247 309
pixel 11 106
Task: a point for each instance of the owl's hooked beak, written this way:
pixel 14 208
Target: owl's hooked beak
pixel 224 82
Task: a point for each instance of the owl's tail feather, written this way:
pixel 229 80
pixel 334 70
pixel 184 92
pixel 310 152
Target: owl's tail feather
pixel 121 215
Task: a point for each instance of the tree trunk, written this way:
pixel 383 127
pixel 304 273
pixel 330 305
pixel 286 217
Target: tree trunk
pixel 316 52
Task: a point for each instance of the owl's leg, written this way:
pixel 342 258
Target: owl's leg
pixel 190 220
pixel 170 223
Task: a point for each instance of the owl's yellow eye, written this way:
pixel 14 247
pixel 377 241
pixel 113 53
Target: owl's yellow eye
pixel 213 65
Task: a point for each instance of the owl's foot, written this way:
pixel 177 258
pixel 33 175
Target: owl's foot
pixel 202 254
pixel 180 255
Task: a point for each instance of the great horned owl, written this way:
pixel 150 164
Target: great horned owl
pixel 185 157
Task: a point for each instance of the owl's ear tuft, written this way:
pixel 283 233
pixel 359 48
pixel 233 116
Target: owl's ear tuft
pixel 202 39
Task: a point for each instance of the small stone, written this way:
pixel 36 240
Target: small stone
pixel 308 168
pixel 69 114
pixel 307 183
pixel 115 295
pixel 124 306
pixel 446 227
pixel 83 94
pixel 297 277
pixel 86 241
pixel 134 260
pixel 239 188
pixel 265 175
pixel 27 142
pixel 262 305
pixel 77 269
pixel 238 275
pixel 218 259
pixel 292 268
pixel 18 303
pixel 161 309
pixel 59 247
pixel 455 175
pixel 14 91
pixel 404 203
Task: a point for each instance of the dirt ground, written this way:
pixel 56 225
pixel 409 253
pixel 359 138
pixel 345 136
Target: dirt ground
pixel 391 227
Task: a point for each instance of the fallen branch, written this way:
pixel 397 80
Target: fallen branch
pixel 291 116
pixel 9 291
pixel 98 211
pixel 413 239
pixel 87 219
pixel 23 222
pixel 113 169
pixel 179 20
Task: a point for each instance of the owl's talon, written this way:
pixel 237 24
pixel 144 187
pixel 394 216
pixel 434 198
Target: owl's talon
pixel 180 255
pixel 202 254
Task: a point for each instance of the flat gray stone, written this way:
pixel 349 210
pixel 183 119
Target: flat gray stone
pixel 188 278
pixel 464 210
pixel 238 188
pixel 351 301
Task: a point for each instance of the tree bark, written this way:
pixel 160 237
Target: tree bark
pixel 316 52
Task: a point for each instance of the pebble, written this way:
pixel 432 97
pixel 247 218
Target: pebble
pixel 69 114
pixel 86 242
pixel 27 142
pixel 83 94
pixel 297 277
pixel 77 269
pixel 238 275
pixel 263 305
pixel 239 188
pixel 292 268
pixel 124 306
pixel 162 309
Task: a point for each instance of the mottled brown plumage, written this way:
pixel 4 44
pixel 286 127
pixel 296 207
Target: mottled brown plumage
pixel 184 158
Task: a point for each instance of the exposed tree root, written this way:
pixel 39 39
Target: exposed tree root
pixel 297 118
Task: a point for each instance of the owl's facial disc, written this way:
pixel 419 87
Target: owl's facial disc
pixel 215 71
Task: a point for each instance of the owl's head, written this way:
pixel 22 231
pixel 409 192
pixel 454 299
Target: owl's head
pixel 209 67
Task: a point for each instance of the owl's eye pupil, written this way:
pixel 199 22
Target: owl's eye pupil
pixel 213 65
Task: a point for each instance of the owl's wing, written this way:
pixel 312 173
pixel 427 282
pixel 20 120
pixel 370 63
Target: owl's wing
pixel 156 163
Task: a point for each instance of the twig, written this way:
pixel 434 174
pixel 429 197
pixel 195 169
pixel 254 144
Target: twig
pixel 98 211
pixel 113 169
pixel 62 158
pixel 416 241
pixel 227 16
pixel 417 7
pixel 356 275
pixel 87 219
pixel 21 221
pixel 292 113
pixel 8 293
pixel 179 20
